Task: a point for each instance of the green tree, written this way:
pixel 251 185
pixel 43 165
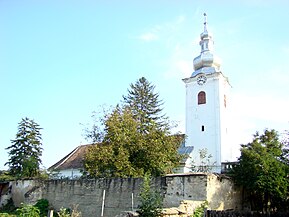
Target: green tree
pixel 127 152
pixel 134 138
pixel 261 171
pixel 151 201
pixel 285 150
pixel 145 104
pixel 26 150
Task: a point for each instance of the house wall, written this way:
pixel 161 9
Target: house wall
pixel 68 173
pixel 88 194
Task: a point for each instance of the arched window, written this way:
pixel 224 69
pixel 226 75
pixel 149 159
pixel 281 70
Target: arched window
pixel 201 98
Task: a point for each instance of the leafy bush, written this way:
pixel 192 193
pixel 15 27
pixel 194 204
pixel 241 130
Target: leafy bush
pixel 9 207
pixel 6 215
pixel 27 210
pixel 42 206
pixel 63 212
pixel 199 211
pixel 5 176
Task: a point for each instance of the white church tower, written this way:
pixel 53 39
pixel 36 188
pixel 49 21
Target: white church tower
pixel 207 93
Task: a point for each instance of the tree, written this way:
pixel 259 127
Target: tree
pixel 145 104
pixel 285 150
pixel 134 138
pixel 126 152
pixel 261 171
pixel 151 201
pixel 26 150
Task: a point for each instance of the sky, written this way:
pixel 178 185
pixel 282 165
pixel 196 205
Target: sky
pixel 60 60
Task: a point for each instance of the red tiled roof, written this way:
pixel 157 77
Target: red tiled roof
pixel 74 160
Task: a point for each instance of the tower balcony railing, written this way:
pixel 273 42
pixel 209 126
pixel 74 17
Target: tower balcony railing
pixel 226 167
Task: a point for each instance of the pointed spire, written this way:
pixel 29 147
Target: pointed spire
pixel 206 62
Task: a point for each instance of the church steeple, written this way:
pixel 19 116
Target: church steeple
pixel 206 62
pixel 207 104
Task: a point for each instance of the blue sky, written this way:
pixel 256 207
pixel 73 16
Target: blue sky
pixel 61 60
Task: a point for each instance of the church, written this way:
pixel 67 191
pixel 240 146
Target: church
pixel 207 117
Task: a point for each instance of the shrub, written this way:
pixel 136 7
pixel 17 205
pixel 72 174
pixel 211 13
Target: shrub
pixel 6 215
pixel 199 211
pixel 27 210
pixel 42 206
pixel 63 212
pixel 9 207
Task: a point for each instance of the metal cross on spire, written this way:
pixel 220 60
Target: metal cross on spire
pixel 205 22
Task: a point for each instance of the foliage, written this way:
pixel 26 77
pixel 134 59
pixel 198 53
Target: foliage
pixel 285 150
pixel 5 176
pixel 206 165
pixel 7 215
pixel 42 205
pixel 150 200
pixel 144 104
pixel 43 174
pixel 261 171
pixel 9 207
pixel 199 211
pixel 132 143
pixel 26 150
pixel 63 212
pixel 27 210
pixel 126 152
pixel 95 133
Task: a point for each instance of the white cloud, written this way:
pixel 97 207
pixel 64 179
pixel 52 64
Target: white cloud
pixel 149 36
pixel 163 31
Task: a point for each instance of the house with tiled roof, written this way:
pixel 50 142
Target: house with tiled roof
pixel 71 166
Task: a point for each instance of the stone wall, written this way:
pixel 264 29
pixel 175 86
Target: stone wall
pixel 88 194
pixel 122 194
pixel 26 191
pixel 5 193
pixel 223 194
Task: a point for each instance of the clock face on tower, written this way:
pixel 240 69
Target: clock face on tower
pixel 201 79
